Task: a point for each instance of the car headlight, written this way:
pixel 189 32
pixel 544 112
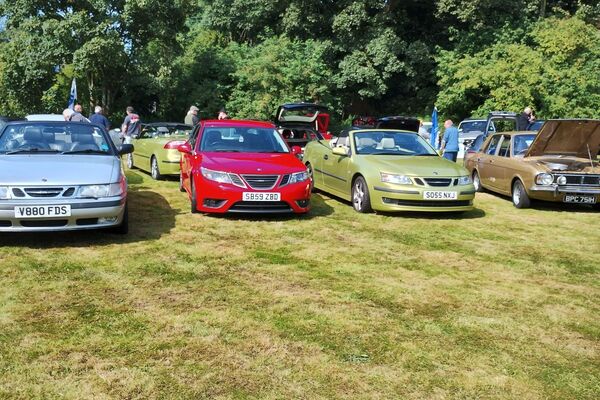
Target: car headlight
pixel 544 179
pixel 299 177
pixel 465 180
pixel 4 194
pixel 398 179
pixel 222 177
pixel 98 191
pixel 561 180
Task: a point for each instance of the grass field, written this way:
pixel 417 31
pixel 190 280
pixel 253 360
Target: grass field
pixel 496 304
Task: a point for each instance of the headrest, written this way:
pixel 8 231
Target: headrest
pixel 33 134
pixel 388 143
pixel 366 142
pixel 48 136
pixel 213 135
pixel 82 138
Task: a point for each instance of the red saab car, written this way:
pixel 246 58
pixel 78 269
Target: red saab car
pixel 243 167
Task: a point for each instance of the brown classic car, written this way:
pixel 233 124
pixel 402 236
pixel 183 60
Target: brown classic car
pixel 558 164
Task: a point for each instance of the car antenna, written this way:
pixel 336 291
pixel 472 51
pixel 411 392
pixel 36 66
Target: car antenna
pixel 590 155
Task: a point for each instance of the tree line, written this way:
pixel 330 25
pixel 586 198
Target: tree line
pixel 359 57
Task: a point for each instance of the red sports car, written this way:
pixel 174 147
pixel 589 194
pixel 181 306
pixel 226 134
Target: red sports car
pixel 233 166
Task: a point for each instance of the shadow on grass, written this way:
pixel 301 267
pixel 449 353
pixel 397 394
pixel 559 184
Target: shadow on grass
pixel 318 208
pixel 552 206
pixel 150 217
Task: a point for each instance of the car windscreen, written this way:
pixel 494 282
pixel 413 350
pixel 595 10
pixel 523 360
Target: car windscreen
pixel 392 143
pixel 65 138
pixel 242 140
pixel 522 143
pixel 473 126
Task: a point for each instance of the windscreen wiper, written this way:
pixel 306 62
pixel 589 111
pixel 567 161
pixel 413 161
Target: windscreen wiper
pixel 32 150
pixel 88 151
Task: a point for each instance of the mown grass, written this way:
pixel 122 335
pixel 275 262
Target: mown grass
pixel 498 303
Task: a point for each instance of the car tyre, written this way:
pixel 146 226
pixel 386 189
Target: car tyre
pixel 361 201
pixel 154 169
pixel 130 161
pixel 123 227
pixel 520 198
pixel 194 199
pixel 477 182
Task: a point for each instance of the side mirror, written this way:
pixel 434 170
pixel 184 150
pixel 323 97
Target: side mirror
pixel 296 150
pixel 125 149
pixel 340 151
pixel 185 148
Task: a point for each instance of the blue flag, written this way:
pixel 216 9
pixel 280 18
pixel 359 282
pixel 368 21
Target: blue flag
pixel 434 127
pixel 73 95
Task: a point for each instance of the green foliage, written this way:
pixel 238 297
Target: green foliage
pixel 276 71
pixel 556 71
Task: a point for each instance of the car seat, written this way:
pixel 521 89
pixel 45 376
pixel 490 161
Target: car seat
pixel 387 144
pixel 212 140
pixel 33 138
pixel 82 142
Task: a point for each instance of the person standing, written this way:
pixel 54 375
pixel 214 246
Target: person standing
pixel 98 118
pixel 524 119
pixel 132 125
pixel 192 116
pixel 222 114
pixel 73 116
pixel 423 131
pixel 450 141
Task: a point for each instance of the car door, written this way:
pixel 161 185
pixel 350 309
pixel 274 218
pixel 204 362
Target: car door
pixel 188 158
pixel 486 158
pixel 497 168
pixel 141 158
pixel 335 166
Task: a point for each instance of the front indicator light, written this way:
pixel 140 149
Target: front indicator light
pixel 397 179
pixel 544 179
pixel 4 194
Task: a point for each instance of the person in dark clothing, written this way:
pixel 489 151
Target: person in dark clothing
pixel 132 124
pixel 524 119
pixel 98 118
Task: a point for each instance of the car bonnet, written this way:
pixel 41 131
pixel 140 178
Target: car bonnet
pixel 575 137
pixel 51 169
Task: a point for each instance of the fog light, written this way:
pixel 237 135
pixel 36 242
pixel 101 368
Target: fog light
pixel 562 180
pixel 107 220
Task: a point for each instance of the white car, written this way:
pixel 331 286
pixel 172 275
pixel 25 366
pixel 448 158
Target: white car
pixel 468 130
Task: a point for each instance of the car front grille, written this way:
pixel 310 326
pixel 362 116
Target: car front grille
pixel 42 192
pixel 49 223
pixel 438 182
pixel 259 207
pixel 587 180
pixel 261 182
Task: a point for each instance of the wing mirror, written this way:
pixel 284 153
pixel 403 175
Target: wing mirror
pixel 296 150
pixel 184 148
pixel 341 151
pixel 125 149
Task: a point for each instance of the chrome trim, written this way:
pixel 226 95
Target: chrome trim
pixel 265 177
pixel 565 189
pixel 331 175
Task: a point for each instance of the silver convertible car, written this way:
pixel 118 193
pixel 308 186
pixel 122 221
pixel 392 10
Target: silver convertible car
pixel 57 176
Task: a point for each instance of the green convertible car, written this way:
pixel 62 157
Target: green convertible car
pixel 156 148
pixel 388 170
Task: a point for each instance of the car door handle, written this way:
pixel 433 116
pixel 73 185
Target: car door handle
pixel 326 157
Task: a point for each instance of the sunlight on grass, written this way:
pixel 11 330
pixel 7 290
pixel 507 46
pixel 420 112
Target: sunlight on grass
pixel 497 303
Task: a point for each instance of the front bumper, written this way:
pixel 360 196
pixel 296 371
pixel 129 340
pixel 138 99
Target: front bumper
pixel 557 193
pixel 390 197
pixel 85 214
pixel 213 197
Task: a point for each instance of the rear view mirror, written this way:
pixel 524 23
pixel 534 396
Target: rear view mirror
pixel 185 148
pixel 340 151
pixel 125 149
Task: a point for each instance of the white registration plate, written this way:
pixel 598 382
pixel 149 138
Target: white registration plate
pixel 580 199
pixel 42 211
pixel 261 196
pixel 439 195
